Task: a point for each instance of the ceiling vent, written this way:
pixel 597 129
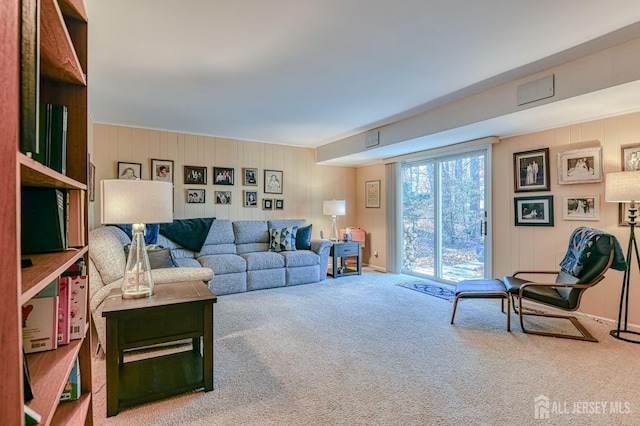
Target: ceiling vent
pixel 536 90
pixel 373 139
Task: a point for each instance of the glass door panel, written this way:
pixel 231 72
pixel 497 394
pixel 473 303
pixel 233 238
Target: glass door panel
pixel 444 218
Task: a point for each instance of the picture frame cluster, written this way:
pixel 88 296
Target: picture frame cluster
pixel 579 166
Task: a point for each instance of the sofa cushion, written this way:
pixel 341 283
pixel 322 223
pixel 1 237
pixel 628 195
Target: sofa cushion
pixel 263 260
pixel 298 258
pixel 159 256
pixel 224 263
pixel 283 239
pixel 250 231
pixel 220 239
pixel 303 238
pixel 189 233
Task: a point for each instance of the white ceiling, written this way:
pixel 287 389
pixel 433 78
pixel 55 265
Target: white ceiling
pixel 312 72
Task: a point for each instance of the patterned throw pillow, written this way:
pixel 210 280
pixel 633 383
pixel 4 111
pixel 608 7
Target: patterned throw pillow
pixel 283 239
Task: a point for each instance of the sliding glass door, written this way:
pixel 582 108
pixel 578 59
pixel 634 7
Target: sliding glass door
pixel 444 217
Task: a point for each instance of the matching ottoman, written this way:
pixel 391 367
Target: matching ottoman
pixel 483 289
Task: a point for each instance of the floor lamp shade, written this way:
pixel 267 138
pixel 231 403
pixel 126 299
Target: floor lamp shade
pixel 136 202
pixel 624 187
pixel 334 208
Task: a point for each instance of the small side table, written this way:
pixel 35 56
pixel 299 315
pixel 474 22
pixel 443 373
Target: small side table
pixel 342 250
pixel 175 312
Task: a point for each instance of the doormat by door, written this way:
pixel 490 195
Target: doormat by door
pixel 430 289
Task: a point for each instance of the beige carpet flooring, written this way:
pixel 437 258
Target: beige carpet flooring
pixel 361 350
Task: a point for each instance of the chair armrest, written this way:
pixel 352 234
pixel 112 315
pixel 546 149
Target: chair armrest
pixel 555 285
pixel 535 272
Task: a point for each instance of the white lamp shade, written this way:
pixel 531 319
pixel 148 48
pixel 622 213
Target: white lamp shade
pixel 136 201
pixel 334 208
pixel 622 187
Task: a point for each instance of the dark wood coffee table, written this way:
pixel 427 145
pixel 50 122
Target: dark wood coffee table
pixel 175 312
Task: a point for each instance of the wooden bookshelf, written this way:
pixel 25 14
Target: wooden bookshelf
pixel 45 60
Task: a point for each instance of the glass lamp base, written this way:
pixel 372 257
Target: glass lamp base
pixel 137 282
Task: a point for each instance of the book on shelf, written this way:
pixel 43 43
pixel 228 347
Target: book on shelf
pixel 64 314
pixel 78 268
pixel 31 417
pixel 57 138
pixel 51 146
pixel 72 389
pixel 78 311
pixel 40 320
pixel 43 220
pixel 26 378
pixel 75 209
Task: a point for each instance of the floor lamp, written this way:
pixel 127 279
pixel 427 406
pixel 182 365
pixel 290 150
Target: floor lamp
pixel 136 202
pixel 624 187
pixel 334 208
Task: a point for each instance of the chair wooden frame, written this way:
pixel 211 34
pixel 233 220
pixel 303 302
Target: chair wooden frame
pixel 522 312
pixel 584 333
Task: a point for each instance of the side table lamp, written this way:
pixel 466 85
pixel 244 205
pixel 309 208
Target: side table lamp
pixel 334 208
pixel 136 202
pixel 624 187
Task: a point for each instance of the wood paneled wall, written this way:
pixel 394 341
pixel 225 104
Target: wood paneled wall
pixel 305 184
pixel 522 247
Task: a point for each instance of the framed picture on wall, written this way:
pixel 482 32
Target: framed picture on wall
pixel 630 157
pixel 580 166
pixel 195 175
pixel 531 170
pixel 162 170
pixel 534 211
pixel 267 204
pixel 92 182
pixel 250 177
pixel 195 196
pixel 581 207
pixel 223 197
pixel 372 193
pixel 223 176
pixel 250 198
pixel 279 204
pixel 129 170
pixel 272 182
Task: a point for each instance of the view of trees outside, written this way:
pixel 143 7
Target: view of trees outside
pixel 461 209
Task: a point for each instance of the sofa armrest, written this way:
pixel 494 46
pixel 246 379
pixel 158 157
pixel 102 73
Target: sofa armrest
pixel 318 245
pixel 175 275
pixel 322 248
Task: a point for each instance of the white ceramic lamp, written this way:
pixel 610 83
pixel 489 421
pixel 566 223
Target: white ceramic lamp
pixel 334 208
pixel 136 202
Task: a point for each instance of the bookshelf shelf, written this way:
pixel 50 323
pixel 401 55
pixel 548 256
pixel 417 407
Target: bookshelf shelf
pixel 46 267
pixel 60 77
pixel 49 371
pixel 34 173
pixel 58 56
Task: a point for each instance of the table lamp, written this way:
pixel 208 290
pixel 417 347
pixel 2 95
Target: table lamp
pixel 136 202
pixel 334 208
pixel 624 187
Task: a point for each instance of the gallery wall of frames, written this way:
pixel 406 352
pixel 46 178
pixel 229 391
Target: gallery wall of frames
pixel 223 178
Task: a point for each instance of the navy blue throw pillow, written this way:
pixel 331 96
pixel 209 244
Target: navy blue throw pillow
pixel 303 238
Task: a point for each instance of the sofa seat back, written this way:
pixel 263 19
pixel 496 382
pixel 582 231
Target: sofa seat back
pixel 251 236
pixel 220 239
